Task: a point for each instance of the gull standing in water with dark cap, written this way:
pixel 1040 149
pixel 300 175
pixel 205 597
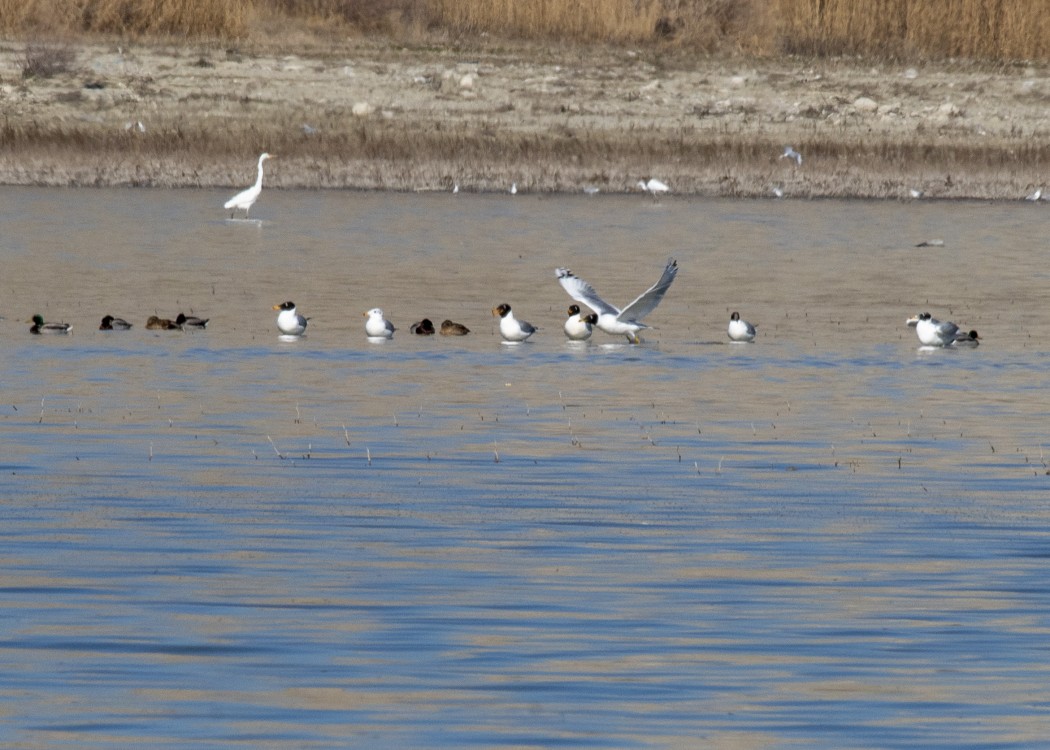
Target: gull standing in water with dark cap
pixel 289 321
pixel 740 330
pixel 613 320
pixel 510 328
pixel 932 332
pixel 579 327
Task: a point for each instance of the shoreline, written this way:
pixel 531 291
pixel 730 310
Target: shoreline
pixel 369 116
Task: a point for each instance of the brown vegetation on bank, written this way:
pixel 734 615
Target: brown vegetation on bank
pixel 424 94
pixel 913 29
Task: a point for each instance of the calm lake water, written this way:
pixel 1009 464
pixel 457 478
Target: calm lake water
pixel 824 539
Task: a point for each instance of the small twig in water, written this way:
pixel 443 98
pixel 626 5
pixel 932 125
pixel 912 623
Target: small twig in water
pixel 495 452
pixel 346 436
pixel 368 455
pixel 274 446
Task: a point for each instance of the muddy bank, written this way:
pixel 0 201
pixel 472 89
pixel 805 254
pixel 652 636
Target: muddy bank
pixel 369 116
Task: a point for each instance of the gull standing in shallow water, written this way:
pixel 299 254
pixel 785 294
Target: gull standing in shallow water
pixel 289 321
pixel 510 328
pixel 246 198
pixel 579 327
pixel 740 330
pixel 378 327
pixel 612 319
pixel 932 332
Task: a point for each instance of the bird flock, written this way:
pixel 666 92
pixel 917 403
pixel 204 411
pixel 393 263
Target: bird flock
pixel 578 326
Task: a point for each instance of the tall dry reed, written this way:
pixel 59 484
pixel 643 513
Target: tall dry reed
pixel 937 29
pixel 194 18
pixel 982 29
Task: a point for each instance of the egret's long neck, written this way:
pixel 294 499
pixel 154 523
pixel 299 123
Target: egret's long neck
pixel 258 178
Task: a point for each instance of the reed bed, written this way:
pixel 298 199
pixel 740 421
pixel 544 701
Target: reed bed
pixel 977 29
pixel 925 29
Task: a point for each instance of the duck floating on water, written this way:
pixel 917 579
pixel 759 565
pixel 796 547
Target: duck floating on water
pixel 39 326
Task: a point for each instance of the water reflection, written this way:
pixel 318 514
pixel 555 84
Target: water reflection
pixel 826 538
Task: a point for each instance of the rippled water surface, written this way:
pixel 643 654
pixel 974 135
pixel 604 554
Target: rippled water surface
pixel 824 539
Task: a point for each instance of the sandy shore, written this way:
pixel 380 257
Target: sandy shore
pixel 371 116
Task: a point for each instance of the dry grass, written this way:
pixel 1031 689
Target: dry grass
pixel 932 29
pixel 194 18
pixel 979 29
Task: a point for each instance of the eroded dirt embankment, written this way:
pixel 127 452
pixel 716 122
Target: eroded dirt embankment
pixel 371 116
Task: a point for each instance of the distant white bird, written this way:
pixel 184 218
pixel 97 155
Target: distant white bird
pixel 932 332
pixel 778 192
pixel 513 188
pixel 612 319
pixel 790 153
pixel 246 198
pixel 1035 195
pixel 740 330
pixel 579 327
pixel 455 188
pixel 915 193
pixel 510 328
pixel 653 186
pixel 289 321
pixel 970 339
pixel 591 190
pixel 377 326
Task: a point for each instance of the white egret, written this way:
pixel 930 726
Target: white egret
pixel 246 198
pixel 654 186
